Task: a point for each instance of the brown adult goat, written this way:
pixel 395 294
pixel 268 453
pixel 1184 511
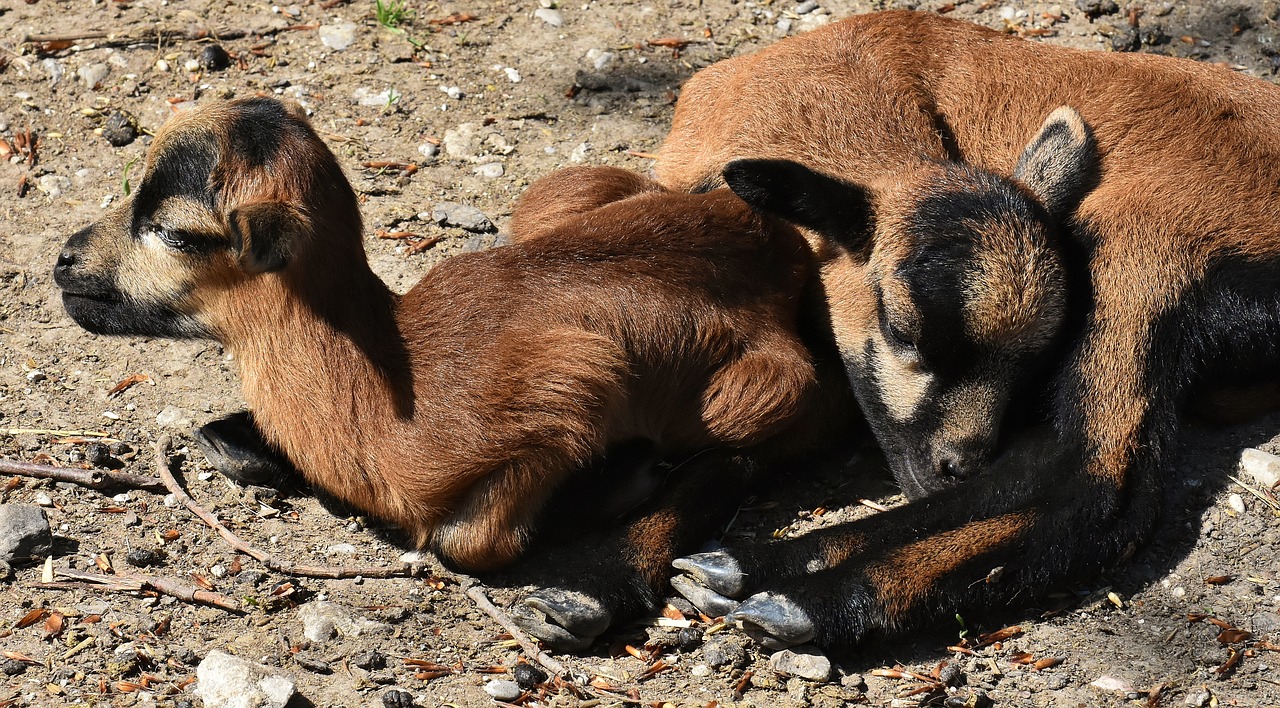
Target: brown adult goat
pixel 1172 288
pixel 456 410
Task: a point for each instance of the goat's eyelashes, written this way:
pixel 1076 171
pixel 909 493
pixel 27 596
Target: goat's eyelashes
pixel 175 240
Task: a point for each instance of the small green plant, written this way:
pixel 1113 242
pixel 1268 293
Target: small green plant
pixel 964 631
pixel 125 179
pixel 391 14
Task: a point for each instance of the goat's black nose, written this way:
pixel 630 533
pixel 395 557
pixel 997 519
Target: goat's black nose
pixel 66 259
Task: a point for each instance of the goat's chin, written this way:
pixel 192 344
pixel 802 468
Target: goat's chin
pixel 916 481
pixel 113 315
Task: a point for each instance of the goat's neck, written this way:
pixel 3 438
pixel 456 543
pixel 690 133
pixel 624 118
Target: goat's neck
pixel 325 372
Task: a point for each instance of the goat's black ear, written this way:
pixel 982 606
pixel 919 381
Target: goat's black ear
pixel 264 233
pixel 1060 164
pixel 834 209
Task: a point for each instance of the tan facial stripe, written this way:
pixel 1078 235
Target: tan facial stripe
pixel 905 576
pixel 901 384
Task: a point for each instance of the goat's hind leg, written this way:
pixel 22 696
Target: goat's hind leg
pixel 624 572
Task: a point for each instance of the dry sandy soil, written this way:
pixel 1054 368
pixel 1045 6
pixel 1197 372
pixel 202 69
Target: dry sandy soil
pixel 512 91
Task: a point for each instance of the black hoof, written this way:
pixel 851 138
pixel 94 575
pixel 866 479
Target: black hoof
pixel 708 602
pixel 570 620
pixel 717 571
pixel 773 621
pixel 235 448
pixel 539 626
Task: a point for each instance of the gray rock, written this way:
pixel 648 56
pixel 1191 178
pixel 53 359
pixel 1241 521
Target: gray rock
pixel 428 150
pixel 5 570
pixel 463 216
pixel 93 74
pixel 1198 698
pixel 600 59
pixel 1265 623
pixel 225 681
pixel 54 68
pixel 54 185
pixel 807 662
pixel 321 620
pixel 338 37
pixel 806 7
pixel 1262 467
pixel 724 651
pixel 24 533
pixel 502 690
pixel 173 417
pixel 1097 8
pixel 549 16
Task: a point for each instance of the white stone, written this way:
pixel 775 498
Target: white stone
pixel 600 59
pixel 428 150
pixel 503 690
pixel 93 74
pixel 172 417
pixel 53 186
pixel 512 75
pixel 226 681
pixel 339 36
pixel 579 153
pixel 1262 467
pixel 807 662
pixel 1236 502
pixel 1111 683
pixel 549 16
pixel 490 170
pixel 321 620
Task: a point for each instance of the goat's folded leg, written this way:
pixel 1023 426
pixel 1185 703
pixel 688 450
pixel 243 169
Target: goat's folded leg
pixel 629 568
pixel 235 447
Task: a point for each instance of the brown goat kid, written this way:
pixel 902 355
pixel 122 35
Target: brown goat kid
pixel 1169 287
pixel 455 410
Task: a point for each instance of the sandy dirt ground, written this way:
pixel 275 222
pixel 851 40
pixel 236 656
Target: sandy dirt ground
pixel 483 97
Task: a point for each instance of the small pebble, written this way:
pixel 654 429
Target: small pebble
pixel 1097 8
pixel 312 664
pixel 806 7
pixel 689 638
pixel 528 676
pixel 503 690
pixel 214 58
pixel 490 170
pixel 369 660
pixel 43 499
pixel 12 667
pixel 97 455
pixel 397 699
pixel 93 75
pixel 1263 467
pixel 141 557
pixel 806 662
pixel 338 37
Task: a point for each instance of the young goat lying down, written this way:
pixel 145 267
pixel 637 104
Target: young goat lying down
pixel 633 315
pixel 1163 284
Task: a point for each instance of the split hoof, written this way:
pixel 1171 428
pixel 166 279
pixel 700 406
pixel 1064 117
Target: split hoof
pixel 235 448
pixel 773 621
pixel 708 602
pixel 570 620
pixel 717 571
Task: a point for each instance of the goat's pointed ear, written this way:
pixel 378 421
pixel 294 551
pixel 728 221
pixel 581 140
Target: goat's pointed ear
pixel 1060 164
pixel 264 233
pixel 830 207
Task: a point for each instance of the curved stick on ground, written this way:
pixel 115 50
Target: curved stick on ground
pixel 93 479
pixel 404 570
pixel 475 591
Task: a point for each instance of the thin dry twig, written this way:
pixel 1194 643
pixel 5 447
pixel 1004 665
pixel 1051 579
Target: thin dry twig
pixel 403 570
pixel 102 38
pixel 132 582
pixel 475 591
pixel 93 479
